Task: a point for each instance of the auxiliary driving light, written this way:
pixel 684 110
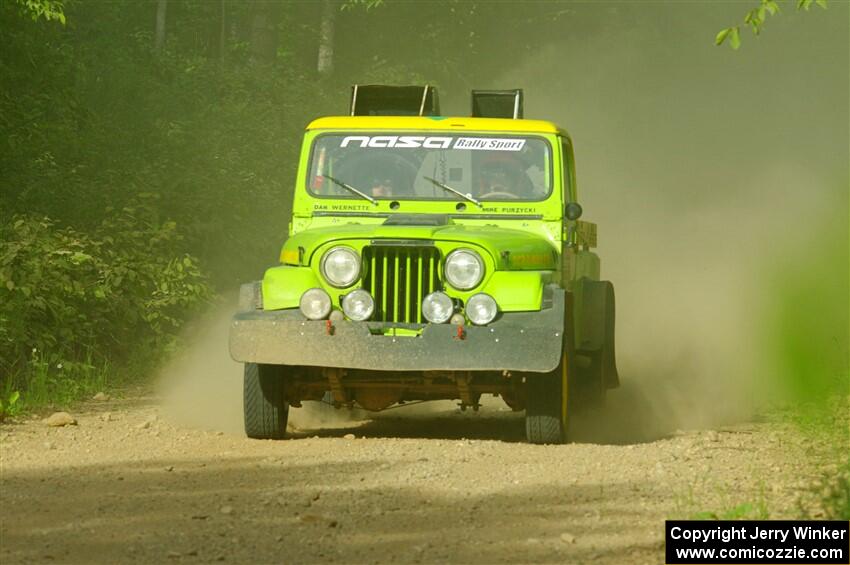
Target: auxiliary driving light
pixel 315 304
pixel 481 309
pixel 438 307
pixel 358 305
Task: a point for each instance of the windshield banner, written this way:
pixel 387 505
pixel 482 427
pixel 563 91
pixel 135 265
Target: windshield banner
pixel 415 141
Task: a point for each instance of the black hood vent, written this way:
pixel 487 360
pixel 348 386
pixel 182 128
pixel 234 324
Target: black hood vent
pixel 417 220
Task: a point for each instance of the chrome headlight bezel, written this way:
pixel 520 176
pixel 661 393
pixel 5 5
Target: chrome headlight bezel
pixel 341 282
pixel 454 256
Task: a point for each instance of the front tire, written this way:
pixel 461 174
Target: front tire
pixel 548 404
pixel 266 411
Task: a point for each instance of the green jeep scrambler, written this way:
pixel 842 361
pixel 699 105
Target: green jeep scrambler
pixel 429 258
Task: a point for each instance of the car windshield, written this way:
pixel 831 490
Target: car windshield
pixel 429 166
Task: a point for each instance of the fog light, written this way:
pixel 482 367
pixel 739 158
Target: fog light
pixel 358 305
pixel 481 309
pixel 438 307
pixel 336 316
pixel 315 304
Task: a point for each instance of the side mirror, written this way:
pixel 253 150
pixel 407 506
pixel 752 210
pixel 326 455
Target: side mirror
pixel 573 211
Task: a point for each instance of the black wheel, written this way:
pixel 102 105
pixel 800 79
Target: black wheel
pixel 548 404
pixel 266 411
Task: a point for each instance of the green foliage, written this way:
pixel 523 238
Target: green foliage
pixel 732 33
pixel 49 380
pixel 47 9
pixel 829 428
pixel 806 4
pixel 9 406
pixel 219 144
pixel 691 503
pixel 368 4
pixel 68 296
pixel 835 494
pixel 134 182
pixel 808 325
pixel 756 19
pixel 746 511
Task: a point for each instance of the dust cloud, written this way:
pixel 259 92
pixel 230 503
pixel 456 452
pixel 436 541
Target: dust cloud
pixel 704 179
pixel 692 292
pixel 201 388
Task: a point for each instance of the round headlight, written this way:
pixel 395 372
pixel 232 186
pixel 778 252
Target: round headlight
pixel 341 266
pixel 315 304
pixel 438 307
pixel 481 309
pixel 358 305
pixel 464 269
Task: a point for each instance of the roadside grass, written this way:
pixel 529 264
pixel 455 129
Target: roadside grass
pixel 47 380
pixel 46 383
pixel 806 333
pixel 832 493
pixel 829 433
pixel 825 428
pixel 746 511
pixel 729 507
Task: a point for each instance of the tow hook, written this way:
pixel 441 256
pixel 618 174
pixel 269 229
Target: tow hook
pixel 329 327
pixel 461 333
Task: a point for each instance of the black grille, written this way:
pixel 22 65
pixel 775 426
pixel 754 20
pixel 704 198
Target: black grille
pixel 399 277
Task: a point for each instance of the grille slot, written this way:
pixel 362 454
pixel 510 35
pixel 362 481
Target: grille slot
pixel 399 277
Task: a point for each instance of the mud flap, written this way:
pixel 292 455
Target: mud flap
pixel 594 318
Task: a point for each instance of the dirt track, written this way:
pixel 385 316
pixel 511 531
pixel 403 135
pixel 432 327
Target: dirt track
pixel 433 486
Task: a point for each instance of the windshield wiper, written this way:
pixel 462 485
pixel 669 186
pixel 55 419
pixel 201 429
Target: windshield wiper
pixel 351 189
pixel 454 191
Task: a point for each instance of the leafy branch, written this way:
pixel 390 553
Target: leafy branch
pixel 368 4
pixel 756 19
pixel 47 9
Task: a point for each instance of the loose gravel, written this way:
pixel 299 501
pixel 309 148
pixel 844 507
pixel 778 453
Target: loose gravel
pixel 126 484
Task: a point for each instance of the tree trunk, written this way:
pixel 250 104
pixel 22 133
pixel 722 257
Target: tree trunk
pixel 159 36
pixel 222 38
pixel 264 31
pixel 326 38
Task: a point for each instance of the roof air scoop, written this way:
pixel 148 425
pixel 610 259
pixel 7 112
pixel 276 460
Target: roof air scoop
pixel 497 104
pixel 383 100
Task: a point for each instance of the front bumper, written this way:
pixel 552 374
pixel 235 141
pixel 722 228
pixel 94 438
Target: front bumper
pixel 517 341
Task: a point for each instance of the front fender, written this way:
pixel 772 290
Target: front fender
pixel 284 285
pixel 517 291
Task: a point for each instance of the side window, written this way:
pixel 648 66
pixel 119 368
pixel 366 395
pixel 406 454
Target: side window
pixel 569 170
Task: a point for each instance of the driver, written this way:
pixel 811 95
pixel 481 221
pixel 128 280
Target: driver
pixel 499 177
pixel 382 187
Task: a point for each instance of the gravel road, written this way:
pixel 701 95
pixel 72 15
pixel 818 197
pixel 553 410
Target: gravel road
pixel 129 484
